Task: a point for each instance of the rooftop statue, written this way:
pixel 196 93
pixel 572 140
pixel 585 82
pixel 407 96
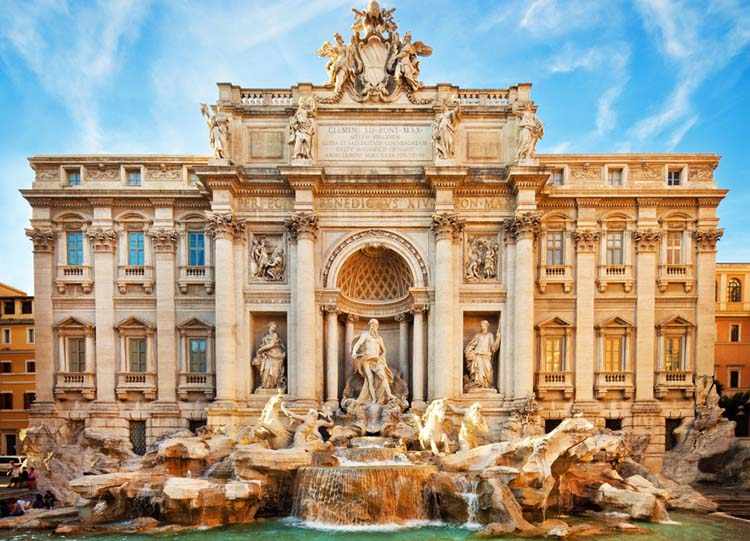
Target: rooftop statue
pixel 218 132
pixel 531 132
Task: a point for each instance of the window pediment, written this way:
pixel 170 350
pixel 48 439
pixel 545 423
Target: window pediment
pixel 555 322
pixel 616 322
pixel 72 323
pixel 195 324
pixel 674 322
pixel 133 323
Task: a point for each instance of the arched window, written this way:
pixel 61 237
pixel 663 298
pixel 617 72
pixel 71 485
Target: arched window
pixel 734 290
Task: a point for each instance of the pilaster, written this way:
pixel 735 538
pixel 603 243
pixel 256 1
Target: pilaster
pixel 646 243
pixel 586 241
pixel 705 316
pixel 164 242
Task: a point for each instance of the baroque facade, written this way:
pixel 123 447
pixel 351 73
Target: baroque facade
pixel 177 290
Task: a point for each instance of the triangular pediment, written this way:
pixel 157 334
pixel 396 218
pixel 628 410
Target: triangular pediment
pixel 73 323
pixel 675 321
pixel 616 321
pixel 554 322
pixel 194 323
pixel 133 323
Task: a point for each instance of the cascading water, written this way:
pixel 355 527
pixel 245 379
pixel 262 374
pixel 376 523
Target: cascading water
pixel 470 494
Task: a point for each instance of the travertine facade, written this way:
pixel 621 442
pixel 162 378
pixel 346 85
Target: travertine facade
pixel 373 196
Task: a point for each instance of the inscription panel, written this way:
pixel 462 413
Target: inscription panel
pixel 375 142
pixel 265 144
pixel 375 203
pixel 483 145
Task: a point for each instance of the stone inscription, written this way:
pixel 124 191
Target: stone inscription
pixel 375 203
pixel 483 145
pixel 266 144
pixel 375 142
pixel 267 203
pixel 482 203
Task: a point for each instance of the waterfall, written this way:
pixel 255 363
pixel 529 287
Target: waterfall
pixel 471 497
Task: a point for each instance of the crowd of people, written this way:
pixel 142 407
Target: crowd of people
pixel 22 477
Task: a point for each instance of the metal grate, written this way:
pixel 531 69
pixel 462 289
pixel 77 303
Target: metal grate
pixel 138 437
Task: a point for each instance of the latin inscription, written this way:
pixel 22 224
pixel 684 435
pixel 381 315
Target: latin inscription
pixel 483 145
pixel 481 203
pixel 375 142
pixel 267 203
pixel 266 144
pixel 375 203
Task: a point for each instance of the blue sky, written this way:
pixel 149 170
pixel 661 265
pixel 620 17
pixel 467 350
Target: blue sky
pixel 608 75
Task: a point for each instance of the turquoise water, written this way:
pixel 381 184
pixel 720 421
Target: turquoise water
pixel 689 528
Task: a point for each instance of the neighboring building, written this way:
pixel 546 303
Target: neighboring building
pixel 17 365
pixel 733 327
pixel 423 206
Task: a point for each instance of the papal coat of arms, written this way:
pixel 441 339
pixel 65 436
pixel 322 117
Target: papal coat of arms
pixel 377 63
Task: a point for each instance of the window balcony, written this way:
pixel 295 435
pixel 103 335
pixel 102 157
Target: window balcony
pixel 78 383
pixel 615 274
pixel 141 275
pixel 674 380
pixel 555 274
pixel 73 275
pixel 199 275
pixel 670 274
pixel 192 383
pixel 136 382
pixel 550 383
pixel 614 381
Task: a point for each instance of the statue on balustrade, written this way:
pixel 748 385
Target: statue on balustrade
pixel 479 352
pixel 269 359
pixel 531 131
pixel 302 129
pixel 218 132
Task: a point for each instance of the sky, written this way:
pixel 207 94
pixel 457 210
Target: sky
pixel 127 76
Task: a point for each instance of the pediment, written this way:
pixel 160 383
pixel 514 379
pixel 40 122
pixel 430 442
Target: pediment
pixel 616 321
pixel 133 323
pixel 73 323
pixel 554 322
pixel 675 321
pixel 194 323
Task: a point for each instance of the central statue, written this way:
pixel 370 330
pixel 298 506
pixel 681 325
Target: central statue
pixel 369 361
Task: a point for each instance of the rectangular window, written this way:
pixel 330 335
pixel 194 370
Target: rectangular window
pixel 555 248
pixel 674 248
pixel 614 176
pixel 6 367
pixel 6 401
pixel 135 248
pixel 553 353
pixel 558 177
pixel 28 400
pixel 6 336
pixel 673 353
pixel 75 247
pixel 138 437
pixel 615 254
pixel 11 444
pixel 30 336
pixel 670 439
pixel 674 177
pixel 198 358
pixel 734 333
pixel 27 307
pixel 9 308
pixel 137 354
pixel 613 353
pixel 73 176
pixel 76 355
pixel 734 378
pixel 30 367
pixel 613 424
pixel 133 177
pixel 196 249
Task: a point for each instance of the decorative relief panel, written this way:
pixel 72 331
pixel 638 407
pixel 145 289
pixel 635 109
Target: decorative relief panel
pixel 266 144
pixel 483 144
pixel 164 172
pixel 268 258
pixel 481 258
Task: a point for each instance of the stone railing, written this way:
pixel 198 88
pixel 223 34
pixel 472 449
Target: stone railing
pixel 555 274
pixel 200 275
pixel 142 275
pixel 614 381
pixel 196 383
pixel 75 382
pixel 257 96
pixel 73 275
pixel 679 274
pixel 130 382
pixel 615 274
pixel 674 380
pixel 483 98
pixel 554 382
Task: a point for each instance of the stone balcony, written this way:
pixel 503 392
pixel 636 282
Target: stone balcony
pixel 605 382
pixel 670 274
pixel 196 275
pixel 141 275
pixel 615 274
pixel 192 383
pixel 129 383
pixel 549 384
pixel 674 380
pixel 555 274
pixel 75 384
pixel 73 275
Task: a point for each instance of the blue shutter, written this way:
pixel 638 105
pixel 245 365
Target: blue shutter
pixel 75 247
pixel 196 249
pixel 135 248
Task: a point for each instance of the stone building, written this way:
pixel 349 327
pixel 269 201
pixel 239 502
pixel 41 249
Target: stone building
pixel 17 365
pixel 373 196
pixel 733 327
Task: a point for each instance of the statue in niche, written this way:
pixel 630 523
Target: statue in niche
pixel 267 260
pixel 218 132
pixel 479 352
pixel 531 131
pixel 302 129
pixel 481 261
pixel 369 361
pixel 444 130
pixel 269 358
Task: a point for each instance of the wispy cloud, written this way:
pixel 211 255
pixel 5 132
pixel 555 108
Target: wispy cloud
pixel 556 17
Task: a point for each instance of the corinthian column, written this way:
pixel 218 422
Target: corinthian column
pixel 646 242
pixel 417 384
pixel 443 375
pixel 332 353
pixel 303 227
pixel 584 352
pixel 705 241
pixel 165 240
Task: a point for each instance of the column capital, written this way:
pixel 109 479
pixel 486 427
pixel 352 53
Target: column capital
pixel 224 225
pixel 165 239
pixel 330 309
pixel 706 239
pixel 447 225
pixel 43 239
pixel 302 225
pixel 103 238
pixel 586 240
pixel 352 318
pixel 524 225
pixel 402 317
pixel 646 240
pixel 418 309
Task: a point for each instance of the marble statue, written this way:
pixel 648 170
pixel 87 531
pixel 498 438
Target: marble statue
pixel 369 361
pixel 269 358
pixel 444 130
pixel 481 260
pixel 307 434
pixel 406 62
pixel 302 129
pixel 218 132
pixel 479 352
pixel 273 425
pixel 432 432
pixel 342 62
pixel 373 19
pixel 531 131
pixel 474 430
pixel 268 261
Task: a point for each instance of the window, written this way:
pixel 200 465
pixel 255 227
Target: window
pixel 558 177
pixel 11 444
pixel 551 424
pixel 614 349
pixel 76 355
pixel 26 307
pixel 30 335
pixel 75 247
pixel 73 176
pixel 28 400
pixel 133 177
pixel 674 176
pixel 671 438
pixel 6 367
pixel 553 353
pixel 674 247
pixel 196 249
pixel 673 353
pixel 734 333
pixel 9 308
pixel 30 367
pixel 6 401
pixel 137 354
pixel 198 355
pixel 734 378
pixel 615 176
pixel 135 248
pixel 613 424
pixel 138 437
pixel 734 290
pixel 615 255
pixel 555 248
pixel 6 336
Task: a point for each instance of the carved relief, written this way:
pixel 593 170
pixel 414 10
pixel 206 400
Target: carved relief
pixel 218 132
pixel 43 239
pixel 444 130
pixel 302 129
pixel 267 258
pixel 447 225
pixel 585 172
pixel 649 172
pixel 47 174
pixel 104 239
pixel 531 130
pixel 164 172
pixel 707 239
pixel 480 259
pixel 302 224
pixel 646 240
pixel 586 240
pixel 103 173
pixel 700 174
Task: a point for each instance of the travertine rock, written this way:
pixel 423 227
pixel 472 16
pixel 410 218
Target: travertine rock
pixel 204 502
pixel 255 457
pixel 96 486
pixel 638 505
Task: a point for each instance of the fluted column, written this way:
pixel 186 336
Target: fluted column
pixel 332 353
pixel 646 242
pixel 403 344
pixel 303 227
pixel 586 242
pixel 705 241
pixel 349 341
pixel 442 375
pixel 417 369
pixel 165 240
pixel 505 374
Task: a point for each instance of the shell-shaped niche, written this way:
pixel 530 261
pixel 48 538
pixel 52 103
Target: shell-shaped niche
pixel 375 274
